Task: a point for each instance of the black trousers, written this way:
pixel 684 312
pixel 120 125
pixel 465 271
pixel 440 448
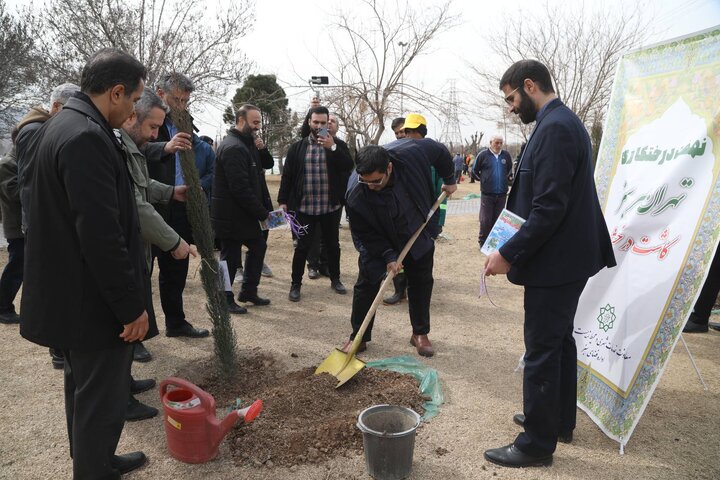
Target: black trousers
pixel 709 293
pixel 230 251
pixel 550 375
pixel 419 291
pixel 97 388
pixel 491 206
pixel 173 273
pixel 317 256
pixel 329 224
pixel 12 275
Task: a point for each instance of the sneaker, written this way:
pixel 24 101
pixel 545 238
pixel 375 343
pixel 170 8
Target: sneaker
pixel 266 271
pixel 313 274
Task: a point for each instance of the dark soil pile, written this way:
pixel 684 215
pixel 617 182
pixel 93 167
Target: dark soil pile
pixel 305 419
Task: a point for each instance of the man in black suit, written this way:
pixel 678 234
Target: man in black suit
pixel 563 242
pixel 164 166
pixel 87 289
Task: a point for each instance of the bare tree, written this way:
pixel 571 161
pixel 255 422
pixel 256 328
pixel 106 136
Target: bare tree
pixel 165 35
pixel 580 48
pixel 383 43
pixel 18 69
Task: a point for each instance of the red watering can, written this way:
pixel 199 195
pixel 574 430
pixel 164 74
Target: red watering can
pixel 192 430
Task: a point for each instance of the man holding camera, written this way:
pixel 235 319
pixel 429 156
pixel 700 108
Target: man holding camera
pixel 313 186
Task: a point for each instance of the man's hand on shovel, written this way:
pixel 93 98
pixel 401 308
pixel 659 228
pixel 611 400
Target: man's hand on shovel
pixel 394 267
pixel 450 189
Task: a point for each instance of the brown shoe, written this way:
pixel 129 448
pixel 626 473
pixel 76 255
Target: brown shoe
pixel 346 348
pixel 423 345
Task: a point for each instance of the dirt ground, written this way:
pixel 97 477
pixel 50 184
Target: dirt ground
pixel 478 347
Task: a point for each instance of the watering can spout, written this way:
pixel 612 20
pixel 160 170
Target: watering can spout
pixel 245 415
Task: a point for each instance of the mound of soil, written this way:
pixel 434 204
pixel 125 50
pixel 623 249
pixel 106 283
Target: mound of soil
pixel 305 419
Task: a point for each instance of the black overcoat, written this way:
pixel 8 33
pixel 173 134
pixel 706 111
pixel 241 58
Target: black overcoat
pixel 85 274
pixel 240 196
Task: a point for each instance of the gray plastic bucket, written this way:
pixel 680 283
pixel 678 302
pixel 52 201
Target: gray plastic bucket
pixel 389 440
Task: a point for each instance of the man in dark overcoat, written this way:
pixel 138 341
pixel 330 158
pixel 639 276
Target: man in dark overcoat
pixel 240 200
pixel 86 283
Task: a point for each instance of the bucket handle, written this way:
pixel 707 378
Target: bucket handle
pixel 205 398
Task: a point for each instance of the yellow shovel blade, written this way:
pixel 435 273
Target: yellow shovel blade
pixel 340 366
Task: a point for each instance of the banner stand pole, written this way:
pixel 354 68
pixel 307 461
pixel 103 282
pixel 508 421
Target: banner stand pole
pixel 692 360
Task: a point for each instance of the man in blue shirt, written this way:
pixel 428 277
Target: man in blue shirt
pixel 164 166
pixel 493 168
pixel 459 163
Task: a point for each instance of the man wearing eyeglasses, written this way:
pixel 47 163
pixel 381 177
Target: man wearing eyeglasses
pixel 493 168
pixel 388 203
pixel 563 242
pixel 164 166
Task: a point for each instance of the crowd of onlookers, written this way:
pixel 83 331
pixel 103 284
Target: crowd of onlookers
pixel 94 195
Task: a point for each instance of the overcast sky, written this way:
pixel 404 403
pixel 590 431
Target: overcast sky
pixel 284 42
pixel 292 39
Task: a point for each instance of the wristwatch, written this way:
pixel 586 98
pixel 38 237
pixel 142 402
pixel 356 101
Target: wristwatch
pixel 334 147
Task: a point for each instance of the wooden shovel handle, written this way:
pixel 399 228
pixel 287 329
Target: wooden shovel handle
pixel 389 278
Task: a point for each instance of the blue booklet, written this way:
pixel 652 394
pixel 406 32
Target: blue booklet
pixel 505 227
pixel 276 219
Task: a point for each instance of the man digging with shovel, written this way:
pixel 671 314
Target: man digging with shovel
pixel 389 202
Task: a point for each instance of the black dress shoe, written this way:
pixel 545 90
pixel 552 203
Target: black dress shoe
pixel 139 386
pixel 57 358
pixel 294 295
pixel 140 353
pixel 695 327
pixel 188 330
pixel 313 274
pixel 128 462
pixel 566 437
pixel 9 318
pixel 510 456
pixel 136 410
pixel 338 286
pixel 236 309
pixel 253 298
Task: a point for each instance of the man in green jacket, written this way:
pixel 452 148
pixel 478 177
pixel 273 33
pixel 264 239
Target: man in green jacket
pixel 141 127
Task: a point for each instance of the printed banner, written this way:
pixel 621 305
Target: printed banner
pixel 657 179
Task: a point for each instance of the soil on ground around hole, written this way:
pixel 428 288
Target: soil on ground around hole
pixel 305 419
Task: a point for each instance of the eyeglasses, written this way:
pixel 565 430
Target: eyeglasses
pixel 509 99
pixel 373 182
pixel 181 100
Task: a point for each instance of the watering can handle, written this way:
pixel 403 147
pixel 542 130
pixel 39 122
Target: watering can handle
pixel 205 398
